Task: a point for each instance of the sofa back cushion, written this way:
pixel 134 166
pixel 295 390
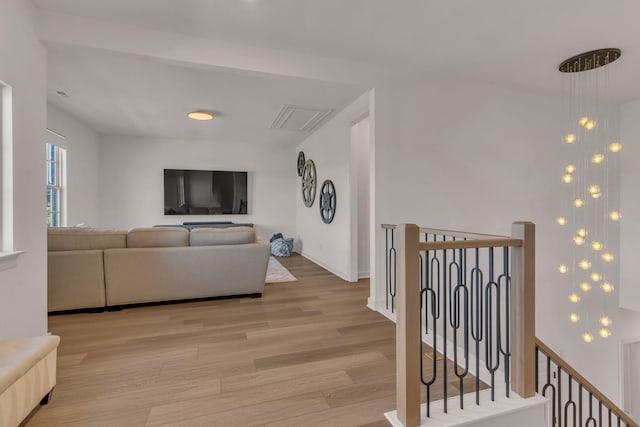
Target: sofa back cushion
pixel 77 239
pixel 149 237
pixel 221 236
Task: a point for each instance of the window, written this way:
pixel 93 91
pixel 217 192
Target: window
pixel 6 170
pixel 55 185
pixel 8 256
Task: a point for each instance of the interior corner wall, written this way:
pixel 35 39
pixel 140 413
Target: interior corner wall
pixel 82 145
pixel 468 156
pixel 330 245
pixel 132 180
pixel 23 289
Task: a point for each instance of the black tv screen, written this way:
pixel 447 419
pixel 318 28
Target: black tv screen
pixel 197 192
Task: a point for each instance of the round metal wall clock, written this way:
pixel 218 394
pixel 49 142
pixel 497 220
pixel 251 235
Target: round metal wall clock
pixel 328 201
pixel 309 183
pixel 300 163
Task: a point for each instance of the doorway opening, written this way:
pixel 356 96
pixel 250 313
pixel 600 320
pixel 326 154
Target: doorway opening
pixel 361 202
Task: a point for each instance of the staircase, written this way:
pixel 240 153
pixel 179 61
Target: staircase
pixel 471 298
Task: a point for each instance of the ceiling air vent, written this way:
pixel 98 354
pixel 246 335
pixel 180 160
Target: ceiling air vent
pixel 304 119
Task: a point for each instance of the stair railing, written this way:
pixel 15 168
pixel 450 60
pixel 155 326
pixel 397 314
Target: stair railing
pixel 574 400
pixel 465 295
pixel 470 298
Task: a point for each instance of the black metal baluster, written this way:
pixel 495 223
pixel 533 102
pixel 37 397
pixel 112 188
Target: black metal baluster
pixel 489 340
pixel 456 327
pixel 393 269
pixel 580 403
pixel 429 293
pixel 386 258
pixel 444 328
pixel 537 357
pixel 504 281
pixel 477 330
pixel 549 385
pixel 570 403
pixel 590 421
pixel 559 372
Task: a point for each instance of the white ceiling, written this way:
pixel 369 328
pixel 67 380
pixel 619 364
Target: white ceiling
pixel 122 94
pixel 510 42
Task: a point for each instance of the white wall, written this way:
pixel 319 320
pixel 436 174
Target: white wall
pixel 82 145
pixel 360 158
pixel 475 157
pixel 131 181
pixel 23 292
pixel 629 205
pixel 330 245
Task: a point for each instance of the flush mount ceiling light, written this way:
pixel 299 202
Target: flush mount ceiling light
pixel 201 115
pixel 590 139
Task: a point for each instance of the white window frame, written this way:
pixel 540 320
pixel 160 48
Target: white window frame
pixel 59 183
pixel 8 256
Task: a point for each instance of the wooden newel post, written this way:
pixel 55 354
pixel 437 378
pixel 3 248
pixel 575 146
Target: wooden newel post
pixel 408 340
pixel 523 310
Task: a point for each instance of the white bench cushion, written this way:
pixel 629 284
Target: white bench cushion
pixel 17 356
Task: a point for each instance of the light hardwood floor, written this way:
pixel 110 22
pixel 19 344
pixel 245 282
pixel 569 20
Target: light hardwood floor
pixel 309 353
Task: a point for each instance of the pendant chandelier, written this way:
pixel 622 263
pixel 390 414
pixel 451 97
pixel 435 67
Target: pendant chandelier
pixel 590 195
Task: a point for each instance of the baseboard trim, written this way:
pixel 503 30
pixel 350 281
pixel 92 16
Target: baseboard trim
pixel 325 266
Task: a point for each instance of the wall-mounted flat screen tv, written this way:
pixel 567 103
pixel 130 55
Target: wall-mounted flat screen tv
pixel 197 192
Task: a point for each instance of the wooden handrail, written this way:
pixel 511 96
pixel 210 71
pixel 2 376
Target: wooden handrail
pixel 559 361
pixel 470 244
pixel 452 233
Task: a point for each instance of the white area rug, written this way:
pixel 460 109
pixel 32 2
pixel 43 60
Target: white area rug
pixel 276 273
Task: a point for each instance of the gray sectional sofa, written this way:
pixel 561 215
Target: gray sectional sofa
pixel 96 268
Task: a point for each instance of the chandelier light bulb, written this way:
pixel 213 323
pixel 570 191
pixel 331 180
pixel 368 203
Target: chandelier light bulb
pixel 604 332
pixel 574 318
pixel 590 125
pixel 585 286
pixel 607 257
pixel 570 169
pixel 567 178
pixel 562 268
pixel 606 287
pixel 583 120
pixel 596 277
pixel 584 264
pixel 615 216
pixel 596 246
pixel 582 232
pixel 574 298
pixel 561 220
pixel 587 337
pixel 570 138
pixel 615 147
pixel 578 240
pixel 578 203
pixel 605 321
pixel 597 158
pixel 594 190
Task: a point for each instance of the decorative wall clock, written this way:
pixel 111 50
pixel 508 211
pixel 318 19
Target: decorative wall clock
pixel 309 183
pixel 300 163
pixel 328 201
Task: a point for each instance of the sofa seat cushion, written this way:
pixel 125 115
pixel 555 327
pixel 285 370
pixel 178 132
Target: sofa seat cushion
pixel 161 237
pixel 18 356
pixel 77 239
pixel 221 236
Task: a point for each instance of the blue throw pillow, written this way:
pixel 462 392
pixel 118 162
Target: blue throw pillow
pixel 282 247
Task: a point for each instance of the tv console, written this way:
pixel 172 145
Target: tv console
pixel 205 224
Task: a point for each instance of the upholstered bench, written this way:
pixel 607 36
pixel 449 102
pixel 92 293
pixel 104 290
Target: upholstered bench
pixel 27 376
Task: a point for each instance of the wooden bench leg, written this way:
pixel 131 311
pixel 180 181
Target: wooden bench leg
pixel 46 398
